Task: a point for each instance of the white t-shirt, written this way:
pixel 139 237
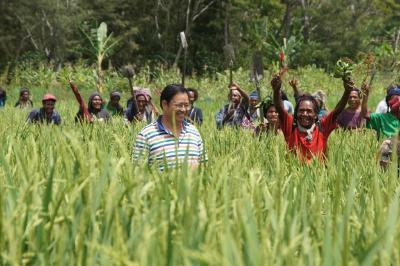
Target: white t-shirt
pixel 382 107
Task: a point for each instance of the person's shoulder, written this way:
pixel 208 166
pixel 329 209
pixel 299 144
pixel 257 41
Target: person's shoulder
pixel 149 129
pixel 55 113
pixel 190 128
pixel 35 111
pixel 379 115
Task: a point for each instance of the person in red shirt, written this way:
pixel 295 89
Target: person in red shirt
pixel 304 133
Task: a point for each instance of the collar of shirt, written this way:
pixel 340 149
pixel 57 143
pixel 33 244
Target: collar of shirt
pixel 162 128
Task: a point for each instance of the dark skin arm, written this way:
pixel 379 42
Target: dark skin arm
pixel 365 89
pixel 348 85
pixel 245 97
pixel 276 84
pixel 294 83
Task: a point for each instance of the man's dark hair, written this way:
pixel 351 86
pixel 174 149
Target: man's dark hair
pixel 170 91
pixel 195 92
pixel 358 92
pixel 23 90
pixel 306 97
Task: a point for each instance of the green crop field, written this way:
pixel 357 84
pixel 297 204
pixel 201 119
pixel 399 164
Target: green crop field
pixel 71 195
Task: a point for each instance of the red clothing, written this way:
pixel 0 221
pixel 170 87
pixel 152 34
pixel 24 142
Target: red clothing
pixel 297 141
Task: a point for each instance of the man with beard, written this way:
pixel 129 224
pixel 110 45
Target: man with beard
pixel 233 113
pixel 304 133
pixel 170 141
pixel 46 114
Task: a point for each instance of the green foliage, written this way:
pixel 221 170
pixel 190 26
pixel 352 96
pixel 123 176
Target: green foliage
pixel 343 69
pixel 317 32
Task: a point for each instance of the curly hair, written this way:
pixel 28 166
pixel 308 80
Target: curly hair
pixel 306 97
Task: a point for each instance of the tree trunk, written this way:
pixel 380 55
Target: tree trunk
pixel 287 19
pixel 187 33
pixel 306 21
pixel 226 23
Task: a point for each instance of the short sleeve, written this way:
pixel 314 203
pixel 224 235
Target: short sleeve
pixel 286 121
pixel 328 123
pixel 373 121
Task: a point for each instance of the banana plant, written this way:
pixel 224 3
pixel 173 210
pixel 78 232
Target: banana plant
pixel 102 45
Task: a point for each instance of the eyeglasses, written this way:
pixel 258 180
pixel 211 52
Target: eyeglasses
pixel 181 106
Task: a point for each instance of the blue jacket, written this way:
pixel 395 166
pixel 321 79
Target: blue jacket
pixel 39 116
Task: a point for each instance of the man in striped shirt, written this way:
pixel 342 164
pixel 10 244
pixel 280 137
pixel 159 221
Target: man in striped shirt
pixel 170 140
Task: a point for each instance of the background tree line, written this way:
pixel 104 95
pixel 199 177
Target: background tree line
pixel 146 32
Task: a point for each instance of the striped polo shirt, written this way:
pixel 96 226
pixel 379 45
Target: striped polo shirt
pixel 159 146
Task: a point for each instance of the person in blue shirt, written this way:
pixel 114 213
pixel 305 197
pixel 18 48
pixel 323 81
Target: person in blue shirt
pixel 46 114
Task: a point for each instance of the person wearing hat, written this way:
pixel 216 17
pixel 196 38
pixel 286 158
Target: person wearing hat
pixel 386 124
pixel 95 108
pixel 233 113
pixel 145 111
pixel 253 110
pixel 46 114
pixel 24 100
pixel 113 106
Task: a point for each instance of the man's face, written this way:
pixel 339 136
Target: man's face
pixel 97 102
pixel 253 102
pixel 141 102
pixel 272 115
pixel 25 96
pixel 192 98
pixel 114 100
pixel 177 108
pixel 49 106
pixel 354 100
pixel 394 97
pixel 306 115
pixel 235 96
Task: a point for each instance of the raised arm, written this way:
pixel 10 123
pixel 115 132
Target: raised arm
pixel 276 84
pixel 245 97
pixel 364 104
pixel 348 85
pixel 294 83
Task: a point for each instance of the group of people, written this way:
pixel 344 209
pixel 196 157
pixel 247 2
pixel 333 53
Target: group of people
pixel 171 137
pixel 138 109
pixel 307 127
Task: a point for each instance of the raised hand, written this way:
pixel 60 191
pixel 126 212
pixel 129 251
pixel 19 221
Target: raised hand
pixel 348 84
pixel 294 83
pixel 276 82
pixel 365 89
